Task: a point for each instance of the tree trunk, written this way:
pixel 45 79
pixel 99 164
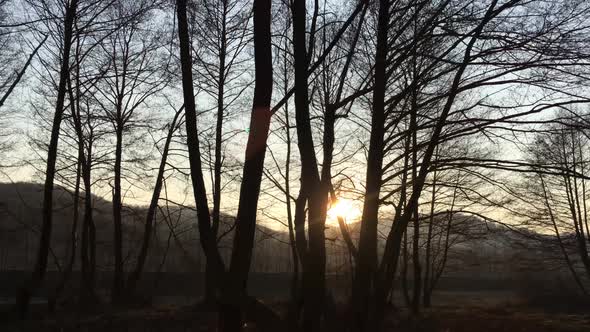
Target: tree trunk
pixel 394 239
pixel 427 262
pixel 152 210
pixel 118 282
pixel 211 285
pixel 88 245
pixel 253 168
pixel 311 190
pixel 53 298
pixel 294 305
pixel 25 293
pixel 566 256
pixel 207 238
pixel 416 280
pixel 86 295
pixel 367 261
pixel 404 273
pixel 210 280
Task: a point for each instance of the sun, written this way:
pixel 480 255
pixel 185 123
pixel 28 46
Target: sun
pixel 344 208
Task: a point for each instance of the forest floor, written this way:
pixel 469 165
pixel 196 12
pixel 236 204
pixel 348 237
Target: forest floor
pixel 491 319
pixel 438 319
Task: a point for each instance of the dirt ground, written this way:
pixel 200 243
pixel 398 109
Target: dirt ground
pixel 494 319
pixel 440 319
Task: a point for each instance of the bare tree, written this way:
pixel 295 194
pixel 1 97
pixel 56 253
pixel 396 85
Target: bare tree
pixel 559 198
pixel 414 26
pixel 136 75
pixel 152 209
pixel 221 37
pixel 27 290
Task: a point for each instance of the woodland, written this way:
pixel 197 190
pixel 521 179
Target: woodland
pixel 322 165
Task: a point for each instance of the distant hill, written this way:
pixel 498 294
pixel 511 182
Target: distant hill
pixel 176 251
pixel 20 222
pixel 478 247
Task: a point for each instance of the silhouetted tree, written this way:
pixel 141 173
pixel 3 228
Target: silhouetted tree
pixel 25 293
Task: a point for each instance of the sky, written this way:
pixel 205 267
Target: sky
pixel 23 124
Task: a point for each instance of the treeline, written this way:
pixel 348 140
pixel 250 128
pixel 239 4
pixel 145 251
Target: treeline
pixel 424 111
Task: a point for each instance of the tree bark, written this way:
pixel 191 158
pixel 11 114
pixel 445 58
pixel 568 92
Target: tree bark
pixel 416 281
pixel 65 277
pixel 25 293
pixel 311 191
pixel 253 168
pixel 152 210
pixel 210 280
pixel 294 305
pixel 367 260
pixel 207 238
pixel 427 258
pixel 118 281
pixel 88 241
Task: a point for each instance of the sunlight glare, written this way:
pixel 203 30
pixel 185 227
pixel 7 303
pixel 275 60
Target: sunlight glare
pixel 344 208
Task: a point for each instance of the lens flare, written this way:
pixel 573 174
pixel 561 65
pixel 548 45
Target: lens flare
pixel 344 208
